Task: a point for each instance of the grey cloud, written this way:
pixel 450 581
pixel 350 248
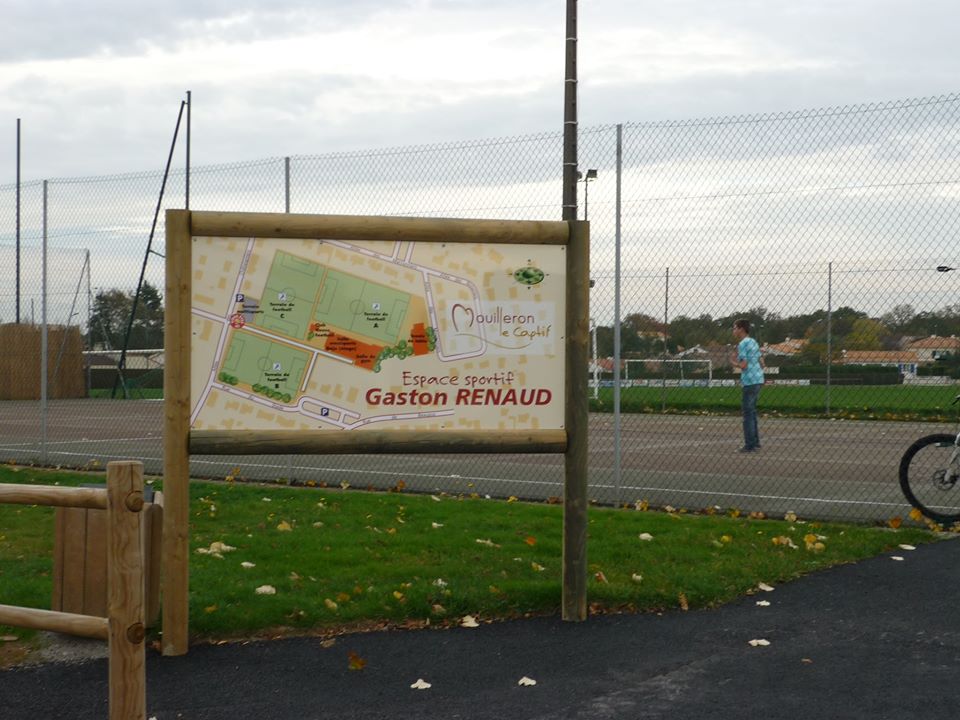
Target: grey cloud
pixel 52 29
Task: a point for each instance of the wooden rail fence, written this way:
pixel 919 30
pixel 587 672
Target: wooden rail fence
pixel 123 627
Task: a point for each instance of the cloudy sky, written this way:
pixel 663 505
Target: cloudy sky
pixel 98 83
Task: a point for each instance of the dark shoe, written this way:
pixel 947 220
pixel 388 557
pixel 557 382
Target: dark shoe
pixel 746 449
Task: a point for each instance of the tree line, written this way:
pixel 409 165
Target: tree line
pixel 642 335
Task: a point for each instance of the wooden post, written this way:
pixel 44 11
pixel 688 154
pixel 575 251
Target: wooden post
pixel 176 458
pixel 128 693
pixel 575 420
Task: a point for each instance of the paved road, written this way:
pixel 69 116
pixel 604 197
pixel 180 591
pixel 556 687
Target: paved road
pixel 875 640
pixel 830 469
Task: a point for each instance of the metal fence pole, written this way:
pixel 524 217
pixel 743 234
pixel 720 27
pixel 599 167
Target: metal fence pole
pixel 617 480
pixel 829 330
pixel 43 336
pixel 286 184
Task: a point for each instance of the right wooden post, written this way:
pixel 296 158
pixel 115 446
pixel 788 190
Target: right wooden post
pixel 575 420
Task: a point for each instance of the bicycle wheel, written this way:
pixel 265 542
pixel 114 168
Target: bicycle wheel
pixel 926 480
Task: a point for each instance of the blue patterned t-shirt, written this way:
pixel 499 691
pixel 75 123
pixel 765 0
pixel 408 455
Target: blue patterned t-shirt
pixel 749 350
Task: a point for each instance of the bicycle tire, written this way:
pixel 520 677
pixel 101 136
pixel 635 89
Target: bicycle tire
pixel 910 483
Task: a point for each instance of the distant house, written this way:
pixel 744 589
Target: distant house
pixel 787 348
pixel 905 360
pixel 931 348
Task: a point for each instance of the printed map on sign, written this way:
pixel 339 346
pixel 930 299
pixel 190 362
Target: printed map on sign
pixel 333 334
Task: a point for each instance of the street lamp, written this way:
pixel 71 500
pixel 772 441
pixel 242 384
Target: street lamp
pixel 586 179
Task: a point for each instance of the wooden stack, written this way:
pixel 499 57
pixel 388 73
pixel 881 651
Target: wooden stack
pixel 20 362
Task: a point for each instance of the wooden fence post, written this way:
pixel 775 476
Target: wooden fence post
pixel 128 687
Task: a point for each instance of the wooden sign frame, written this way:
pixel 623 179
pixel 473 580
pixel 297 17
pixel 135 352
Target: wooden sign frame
pixel 179 441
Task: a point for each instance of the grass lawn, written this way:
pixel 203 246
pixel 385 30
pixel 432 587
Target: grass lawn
pixel 864 402
pixel 352 558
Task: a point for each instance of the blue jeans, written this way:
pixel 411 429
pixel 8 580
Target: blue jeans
pixel 751 434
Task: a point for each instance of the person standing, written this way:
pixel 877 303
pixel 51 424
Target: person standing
pixel 751 379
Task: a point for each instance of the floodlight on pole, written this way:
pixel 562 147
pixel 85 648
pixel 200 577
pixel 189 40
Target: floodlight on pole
pixel 586 180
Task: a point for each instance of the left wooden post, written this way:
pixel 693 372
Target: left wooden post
pixel 176 457
pixel 128 687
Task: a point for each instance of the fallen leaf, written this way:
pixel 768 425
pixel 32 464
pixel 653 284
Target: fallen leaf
pixel 763 603
pixel 806 661
pixel 343 597
pixel 764 587
pixel 896 557
pixel 537 566
pixel 759 643
pixel 511 499
pixel 438 609
pixel 600 577
pixel 328 643
pixel 916 515
pixel 682 600
pixel 757 515
pixel 669 508
pixel 896 522
pixel 8 638
pixel 906 547
pixel 645 536
pixel 530 540
pixel 266 590
pixel 526 682
pixel 355 662
pixel 331 605
pixel 436 525
pixel 344 485
pixel 469 621
pixel 266 499
pixel 790 516
pixel 421 684
pixel 210 609
pixel 641 505
pixel 435 498
pixel 487 542
pixel 726 539
pixel 398 595
pixel 440 583
pixel 637 577
pixel 284 526
pixel 247 565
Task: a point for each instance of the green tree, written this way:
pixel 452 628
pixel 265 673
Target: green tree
pixel 866 334
pixel 110 316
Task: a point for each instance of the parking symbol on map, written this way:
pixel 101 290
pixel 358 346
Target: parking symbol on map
pixel 276 367
pixel 239 297
pixel 324 412
pixel 376 307
pixel 281 296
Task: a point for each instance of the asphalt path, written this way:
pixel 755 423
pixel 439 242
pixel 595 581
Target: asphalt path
pixel 875 640
pixel 828 469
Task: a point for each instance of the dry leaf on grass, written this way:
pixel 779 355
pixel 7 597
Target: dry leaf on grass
pixel 759 643
pixel 469 621
pixel 526 682
pixel 645 536
pixel 266 590
pixel 284 526
pixel 247 565
pixel 906 547
pixel 896 557
pixel 421 684
pixel 764 587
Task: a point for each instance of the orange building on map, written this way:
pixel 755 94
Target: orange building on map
pixel 361 354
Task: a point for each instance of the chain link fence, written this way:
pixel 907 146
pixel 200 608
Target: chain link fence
pixel 824 228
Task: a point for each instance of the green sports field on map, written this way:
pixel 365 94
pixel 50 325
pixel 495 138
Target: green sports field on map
pixel 252 358
pixel 353 304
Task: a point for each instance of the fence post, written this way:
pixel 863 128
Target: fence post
pixel 128 687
